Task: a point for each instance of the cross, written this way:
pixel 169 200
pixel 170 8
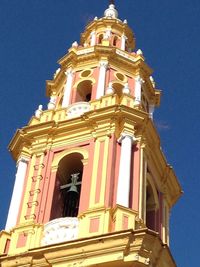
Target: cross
pixel 112 2
pixel 74 182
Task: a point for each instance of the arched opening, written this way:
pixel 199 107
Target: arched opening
pixel 144 101
pixel 118 87
pixel 151 207
pixel 100 38
pixel 115 41
pixel 68 187
pixel 84 91
pixel 126 46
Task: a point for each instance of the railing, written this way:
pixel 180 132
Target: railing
pixel 79 108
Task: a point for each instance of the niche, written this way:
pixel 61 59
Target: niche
pixel 84 91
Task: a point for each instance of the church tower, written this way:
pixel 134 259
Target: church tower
pixel 93 187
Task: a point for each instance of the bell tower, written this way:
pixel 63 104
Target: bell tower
pixel 93 187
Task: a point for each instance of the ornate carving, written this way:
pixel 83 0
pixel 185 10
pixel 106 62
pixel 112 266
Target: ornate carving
pixel 78 109
pixel 103 64
pixel 111 12
pixel 60 230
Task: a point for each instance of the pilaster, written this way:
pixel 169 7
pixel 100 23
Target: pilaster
pixel 123 189
pixel 138 89
pixel 17 193
pixel 68 87
pixel 102 78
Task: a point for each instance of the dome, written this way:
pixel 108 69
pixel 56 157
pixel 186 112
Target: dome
pixel 111 12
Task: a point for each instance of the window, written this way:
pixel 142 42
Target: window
pixel 151 207
pixel 100 39
pixel 115 40
pixel 68 187
pixel 118 87
pixel 84 91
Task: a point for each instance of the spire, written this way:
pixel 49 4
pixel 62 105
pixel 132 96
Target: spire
pixel 111 12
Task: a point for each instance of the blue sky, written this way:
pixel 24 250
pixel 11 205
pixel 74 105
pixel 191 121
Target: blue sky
pixel 35 34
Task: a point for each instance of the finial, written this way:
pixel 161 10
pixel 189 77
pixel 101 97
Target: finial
pixel 75 44
pixel 139 52
pixel 111 12
pixel 109 90
pixel 38 112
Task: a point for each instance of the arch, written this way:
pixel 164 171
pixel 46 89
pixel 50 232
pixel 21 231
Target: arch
pixel 83 90
pixel 115 40
pixel 154 191
pixel 118 87
pixel 61 155
pixel 100 38
pixel 91 79
pixel 67 190
pixel 152 204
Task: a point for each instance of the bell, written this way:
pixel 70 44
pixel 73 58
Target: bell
pixel 74 179
pixel 73 188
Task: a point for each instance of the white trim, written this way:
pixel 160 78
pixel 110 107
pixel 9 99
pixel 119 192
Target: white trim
pixel 151 111
pixel 93 38
pixel 67 88
pixel 123 189
pixel 138 89
pixel 123 42
pixel 17 193
pixel 102 78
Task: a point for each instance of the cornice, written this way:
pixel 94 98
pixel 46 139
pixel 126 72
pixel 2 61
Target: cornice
pixel 102 121
pixel 141 247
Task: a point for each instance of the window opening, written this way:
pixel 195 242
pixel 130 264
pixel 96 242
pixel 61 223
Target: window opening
pixel 84 91
pixel 88 97
pixel 100 38
pixel 151 209
pixel 115 41
pixel 118 88
pixel 67 187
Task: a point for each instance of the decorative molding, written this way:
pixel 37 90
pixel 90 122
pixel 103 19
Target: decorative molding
pixel 103 64
pixel 77 109
pixel 60 230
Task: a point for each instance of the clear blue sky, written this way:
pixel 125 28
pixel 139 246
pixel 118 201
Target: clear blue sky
pixel 35 34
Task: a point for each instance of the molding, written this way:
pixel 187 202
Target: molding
pixel 125 246
pixel 59 156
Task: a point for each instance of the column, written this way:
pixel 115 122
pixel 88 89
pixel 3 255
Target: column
pixel 138 89
pixel 102 78
pixel 151 111
pixel 17 193
pixel 68 87
pixel 123 189
pixel 123 42
pixel 93 38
